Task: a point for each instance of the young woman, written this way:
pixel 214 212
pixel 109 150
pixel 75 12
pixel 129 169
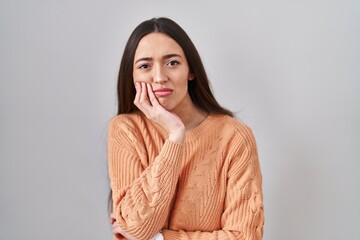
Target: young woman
pixel 180 165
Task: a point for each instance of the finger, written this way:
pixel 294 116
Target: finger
pixel 116 229
pixel 117 232
pixel 137 95
pixel 144 95
pixel 112 218
pixel 152 98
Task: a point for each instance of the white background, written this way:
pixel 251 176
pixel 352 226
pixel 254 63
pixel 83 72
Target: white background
pixel 290 69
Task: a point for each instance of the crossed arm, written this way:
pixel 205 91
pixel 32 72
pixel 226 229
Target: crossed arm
pixel 142 197
pixel 142 200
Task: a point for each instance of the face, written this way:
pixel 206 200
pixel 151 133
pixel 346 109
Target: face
pixel 160 61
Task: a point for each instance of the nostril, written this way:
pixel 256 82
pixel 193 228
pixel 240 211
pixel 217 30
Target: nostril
pixel 160 80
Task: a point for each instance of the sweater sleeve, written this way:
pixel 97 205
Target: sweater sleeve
pixel 141 197
pixel 243 215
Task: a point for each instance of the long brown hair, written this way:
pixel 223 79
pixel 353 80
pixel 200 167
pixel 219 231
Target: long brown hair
pixel 199 88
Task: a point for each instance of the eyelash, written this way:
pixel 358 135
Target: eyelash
pixel 143 66
pixel 170 63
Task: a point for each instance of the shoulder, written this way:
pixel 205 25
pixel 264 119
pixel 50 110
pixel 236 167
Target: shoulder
pixel 237 136
pixel 126 129
pixel 241 144
pixel 235 127
pixel 127 119
pixel 126 122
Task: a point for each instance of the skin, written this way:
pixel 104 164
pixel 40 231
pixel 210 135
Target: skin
pixel 160 62
pixel 161 65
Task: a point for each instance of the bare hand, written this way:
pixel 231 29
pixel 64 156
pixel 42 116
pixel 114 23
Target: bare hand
pixel 117 230
pixel 146 101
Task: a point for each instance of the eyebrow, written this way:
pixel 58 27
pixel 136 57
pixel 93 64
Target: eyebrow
pixel 167 56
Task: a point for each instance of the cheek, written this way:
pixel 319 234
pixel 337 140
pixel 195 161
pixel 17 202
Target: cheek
pixel 140 77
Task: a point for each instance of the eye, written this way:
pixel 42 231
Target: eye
pixel 144 66
pixel 173 63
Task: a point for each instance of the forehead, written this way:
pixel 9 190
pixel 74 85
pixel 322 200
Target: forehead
pixel 157 44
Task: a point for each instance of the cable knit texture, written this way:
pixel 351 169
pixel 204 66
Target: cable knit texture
pixel 209 187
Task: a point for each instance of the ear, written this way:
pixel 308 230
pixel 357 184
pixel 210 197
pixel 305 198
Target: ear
pixel 191 76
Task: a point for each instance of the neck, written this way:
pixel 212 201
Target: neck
pixel 190 115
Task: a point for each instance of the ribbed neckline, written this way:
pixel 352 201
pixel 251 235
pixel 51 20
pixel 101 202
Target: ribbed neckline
pixel 202 129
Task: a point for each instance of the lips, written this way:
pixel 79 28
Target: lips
pixel 163 92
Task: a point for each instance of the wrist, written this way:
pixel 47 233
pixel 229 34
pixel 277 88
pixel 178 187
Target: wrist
pixel 158 236
pixel 177 136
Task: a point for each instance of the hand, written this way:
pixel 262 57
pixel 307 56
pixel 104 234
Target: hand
pixel 147 102
pixel 117 230
pixel 157 236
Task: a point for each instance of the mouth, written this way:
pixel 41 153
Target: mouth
pixel 163 92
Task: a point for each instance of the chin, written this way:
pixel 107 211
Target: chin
pixel 169 108
pixel 165 105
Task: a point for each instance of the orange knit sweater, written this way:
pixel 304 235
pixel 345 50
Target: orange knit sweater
pixel 209 187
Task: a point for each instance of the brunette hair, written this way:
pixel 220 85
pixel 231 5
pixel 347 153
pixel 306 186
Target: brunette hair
pixel 199 88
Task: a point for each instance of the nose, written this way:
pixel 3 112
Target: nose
pixel 159 75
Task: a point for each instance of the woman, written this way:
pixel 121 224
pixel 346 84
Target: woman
pixel 180 165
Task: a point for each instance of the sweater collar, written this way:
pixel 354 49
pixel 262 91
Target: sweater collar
pixel 205 127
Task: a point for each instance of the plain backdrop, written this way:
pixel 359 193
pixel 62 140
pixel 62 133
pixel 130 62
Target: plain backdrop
pixel 289 69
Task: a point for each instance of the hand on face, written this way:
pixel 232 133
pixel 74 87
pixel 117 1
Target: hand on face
pixel 146 101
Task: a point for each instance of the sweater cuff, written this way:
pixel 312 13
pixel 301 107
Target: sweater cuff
pixel 170 235
pixel 172 152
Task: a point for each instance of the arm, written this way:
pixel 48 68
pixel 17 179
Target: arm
pixel 141 197
pixel 243 215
